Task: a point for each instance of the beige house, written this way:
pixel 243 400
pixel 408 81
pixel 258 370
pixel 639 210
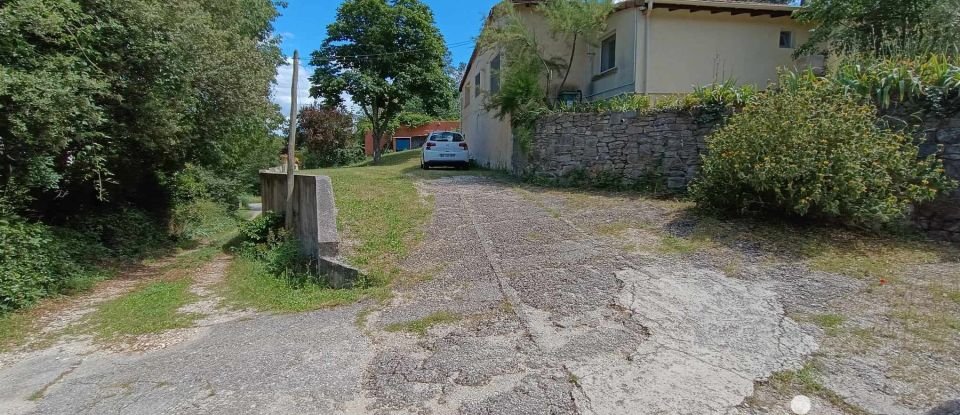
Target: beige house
pixel 655 47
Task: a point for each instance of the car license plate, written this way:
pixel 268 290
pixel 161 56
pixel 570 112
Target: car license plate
pixel 446 155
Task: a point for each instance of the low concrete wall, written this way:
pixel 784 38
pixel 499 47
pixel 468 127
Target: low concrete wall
pixel 632 149
pixel 314 210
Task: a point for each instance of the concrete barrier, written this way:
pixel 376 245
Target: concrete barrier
pixel 314 210
pixel 314 219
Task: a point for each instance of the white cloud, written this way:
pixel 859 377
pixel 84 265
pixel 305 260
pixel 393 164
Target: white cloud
pixel 281 90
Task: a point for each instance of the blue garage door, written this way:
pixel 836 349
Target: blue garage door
pixel 403 144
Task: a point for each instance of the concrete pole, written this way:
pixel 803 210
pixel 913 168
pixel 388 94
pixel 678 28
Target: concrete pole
pixel 292 142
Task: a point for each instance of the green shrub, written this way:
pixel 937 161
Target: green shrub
pixel 196 183
pixel 127 232
pixel 351 154
pixel 36 262
pixel 714 102
pixel 200 219
pixel 259 229
pixel 812 150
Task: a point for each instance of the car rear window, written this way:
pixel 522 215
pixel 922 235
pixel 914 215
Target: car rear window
pixel 445 137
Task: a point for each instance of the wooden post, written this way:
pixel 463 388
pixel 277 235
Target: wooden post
pixel 292 142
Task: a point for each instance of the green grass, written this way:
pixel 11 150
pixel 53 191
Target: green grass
pixel 807 381
pixel 149 309
pixel 670 244
pixel 250 285
pixel 14 329
pixel 421 326
pixel 380 209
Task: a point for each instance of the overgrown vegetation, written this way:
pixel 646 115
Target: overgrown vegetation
pixel 124 127
pixel 882 28
pixel 810 149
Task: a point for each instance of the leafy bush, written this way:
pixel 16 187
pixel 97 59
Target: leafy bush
pixel 200 219
pixel 127 232
pixel 350 154
pixel 931 84
pixel 811 150
pixel 36 262
pixel 259 229
pixel 714 102
pixel 195 183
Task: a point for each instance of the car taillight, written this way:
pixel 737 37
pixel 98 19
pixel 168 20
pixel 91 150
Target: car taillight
pixel 430 145
pixel 463 146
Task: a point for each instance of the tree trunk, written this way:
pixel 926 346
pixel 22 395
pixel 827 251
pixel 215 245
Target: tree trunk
pixel 377 148
pixel 573 50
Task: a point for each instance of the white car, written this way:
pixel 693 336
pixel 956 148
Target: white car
pixel 445 148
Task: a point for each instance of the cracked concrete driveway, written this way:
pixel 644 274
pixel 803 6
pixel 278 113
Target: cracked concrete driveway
pixel 550 320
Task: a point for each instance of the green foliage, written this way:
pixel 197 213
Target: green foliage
pixel 383 54
pixel 126 232
pixel 931 85
pixel 260 228
pixel 812 150
pixel 98 99
pixel 573 20
pixel 200 220
pixel 325 134
pixel 195 183
pixel 882 28
pixel 619 103
pixel 715 102
pixel 35 262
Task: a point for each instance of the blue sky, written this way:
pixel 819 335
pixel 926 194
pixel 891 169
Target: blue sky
pixel 303 26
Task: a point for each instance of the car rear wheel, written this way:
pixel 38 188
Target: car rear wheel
pixel 424 165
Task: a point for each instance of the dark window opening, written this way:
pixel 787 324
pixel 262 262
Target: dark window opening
pixel 495 75
pixel 608 53
pixel 476 84
pixel 786 40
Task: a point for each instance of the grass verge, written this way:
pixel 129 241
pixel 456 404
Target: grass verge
pixel 421 326
pixel 250 285
pixel 150 309
pixel 14 329
pixel 381 212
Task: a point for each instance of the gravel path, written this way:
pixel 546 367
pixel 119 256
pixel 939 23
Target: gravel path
pixel 548 320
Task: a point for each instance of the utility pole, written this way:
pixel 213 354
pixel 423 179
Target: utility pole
pixel 292 141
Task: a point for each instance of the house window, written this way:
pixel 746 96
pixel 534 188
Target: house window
pixel 476 83
pixel 466 96
pixel 495 75
pixel 608 53
pixel 786 39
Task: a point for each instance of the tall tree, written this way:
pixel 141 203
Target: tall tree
pixel 381 53
pixel 100 101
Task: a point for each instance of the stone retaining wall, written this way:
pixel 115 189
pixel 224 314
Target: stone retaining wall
pixel 660 149
pixel 942 218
